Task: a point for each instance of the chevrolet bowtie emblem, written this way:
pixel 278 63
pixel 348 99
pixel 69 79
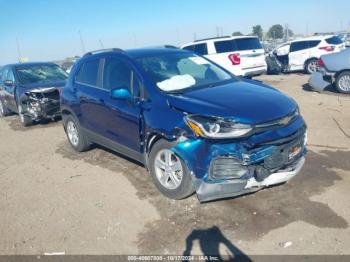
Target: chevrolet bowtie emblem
pixel 285 120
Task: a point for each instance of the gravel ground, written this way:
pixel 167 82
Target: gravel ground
pixel 97 202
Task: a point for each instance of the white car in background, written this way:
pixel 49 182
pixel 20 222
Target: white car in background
pixel 241 55
pixel 302 54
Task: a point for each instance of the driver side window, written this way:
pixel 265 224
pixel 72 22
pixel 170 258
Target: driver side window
pixel 117 74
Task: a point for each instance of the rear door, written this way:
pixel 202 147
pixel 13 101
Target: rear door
pixel 89 90
pixel 8 92
pixel 251 52
pixel 299 53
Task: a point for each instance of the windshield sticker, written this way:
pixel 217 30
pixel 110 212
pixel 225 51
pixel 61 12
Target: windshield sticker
pixel 199 60
pixel 177 82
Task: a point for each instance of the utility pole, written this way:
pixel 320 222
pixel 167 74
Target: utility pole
pixel 194 36
pixel 18 50
pixel 101 43
pixel 82 42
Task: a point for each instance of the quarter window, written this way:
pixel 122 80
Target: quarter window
pixel 334 40
pixel 88 73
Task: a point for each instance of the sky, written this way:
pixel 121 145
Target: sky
pixel 52 29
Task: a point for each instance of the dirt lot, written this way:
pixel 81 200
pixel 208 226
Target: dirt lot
pixel 56 200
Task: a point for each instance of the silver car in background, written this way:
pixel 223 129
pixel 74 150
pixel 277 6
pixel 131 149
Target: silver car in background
pixel 332 69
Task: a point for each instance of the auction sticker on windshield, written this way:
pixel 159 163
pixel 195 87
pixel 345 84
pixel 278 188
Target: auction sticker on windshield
pixel 199 60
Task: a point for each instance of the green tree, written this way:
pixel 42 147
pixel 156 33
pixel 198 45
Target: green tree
pixel 257 31
pixel 275 31
pixel 237 33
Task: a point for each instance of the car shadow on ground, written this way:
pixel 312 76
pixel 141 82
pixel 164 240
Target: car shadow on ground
pixel 213 244
pixel 15 124
pixel 328 90
pixel 248 217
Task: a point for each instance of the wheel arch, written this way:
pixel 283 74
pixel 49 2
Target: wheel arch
pixel 340 72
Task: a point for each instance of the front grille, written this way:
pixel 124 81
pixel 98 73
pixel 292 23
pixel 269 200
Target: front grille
pixel 280 157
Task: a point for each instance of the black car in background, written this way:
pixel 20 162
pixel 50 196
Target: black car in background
pixel 32 90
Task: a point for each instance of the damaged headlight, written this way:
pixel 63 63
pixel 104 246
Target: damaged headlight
pixel 214 127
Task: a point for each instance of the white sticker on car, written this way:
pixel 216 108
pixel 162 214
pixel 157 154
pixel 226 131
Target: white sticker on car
pixel 199 60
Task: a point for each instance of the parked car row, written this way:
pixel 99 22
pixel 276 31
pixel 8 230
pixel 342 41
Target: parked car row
pixel 194 125
pixel 302 54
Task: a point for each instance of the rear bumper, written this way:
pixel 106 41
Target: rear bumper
pixel 319 81
pixel 210 191
pixel 255 71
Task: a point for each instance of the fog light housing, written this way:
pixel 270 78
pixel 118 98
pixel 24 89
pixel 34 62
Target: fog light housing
pixel 224 168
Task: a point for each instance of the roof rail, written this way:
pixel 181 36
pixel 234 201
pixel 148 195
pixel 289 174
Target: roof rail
pixel 210 38
pixel 104 50
pixel 170 46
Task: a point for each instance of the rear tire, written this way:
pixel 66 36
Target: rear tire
pixel 25 120
pixel 172 178
pixel 3 109
pixel 75 136
pixel 342 82
pixel 311 66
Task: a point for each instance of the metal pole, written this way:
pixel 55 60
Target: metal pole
pixel 82 42
pixel 18 50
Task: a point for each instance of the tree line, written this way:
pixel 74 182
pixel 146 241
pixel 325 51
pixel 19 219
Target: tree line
pixel 276 31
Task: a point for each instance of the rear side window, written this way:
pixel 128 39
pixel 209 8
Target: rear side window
pixel 200 49
pixel 313 43
pixel 225 46
pixel 88 73
pixel 248 44
pixel 297 46
pixel 334 40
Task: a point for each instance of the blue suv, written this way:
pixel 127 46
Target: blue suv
pixel 192 124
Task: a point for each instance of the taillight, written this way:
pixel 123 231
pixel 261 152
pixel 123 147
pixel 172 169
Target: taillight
pixel 320 62
pixel 235 59
pixel 329 48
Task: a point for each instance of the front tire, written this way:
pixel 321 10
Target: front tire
pixel 25 120
pixel 169 172
pixel 75 136
pixel 311 66
pixel 342 82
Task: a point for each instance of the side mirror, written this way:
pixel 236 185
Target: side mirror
pixel 8 83
pixel 121 94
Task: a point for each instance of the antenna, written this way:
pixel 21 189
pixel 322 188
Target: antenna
pixel 18 50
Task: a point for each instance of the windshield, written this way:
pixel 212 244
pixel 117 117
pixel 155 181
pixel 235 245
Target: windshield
pixel 180 71
pixel 35 74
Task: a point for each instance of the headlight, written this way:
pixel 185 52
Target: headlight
pixel 213 127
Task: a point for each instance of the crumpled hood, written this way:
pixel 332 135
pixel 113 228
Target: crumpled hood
pixel 47 87
pixel 248 101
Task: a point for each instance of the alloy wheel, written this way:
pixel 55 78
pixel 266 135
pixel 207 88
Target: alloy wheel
pixel 344 83
pixel 168 169
pixel 72 133
pixel 312 66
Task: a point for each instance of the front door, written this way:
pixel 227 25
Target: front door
pixel 124 116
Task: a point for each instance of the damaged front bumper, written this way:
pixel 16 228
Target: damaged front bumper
pixel 41 104
pixel 221 170
pixel 210 191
